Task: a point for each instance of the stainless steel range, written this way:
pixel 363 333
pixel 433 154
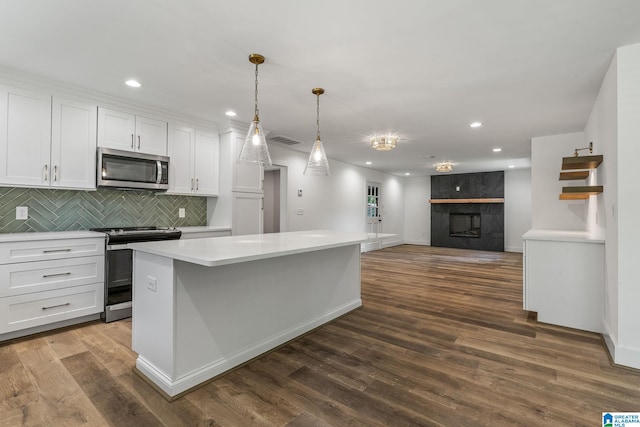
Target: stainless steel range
pixel 119 265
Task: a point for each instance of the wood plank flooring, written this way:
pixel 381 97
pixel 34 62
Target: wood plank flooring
pixel 441 340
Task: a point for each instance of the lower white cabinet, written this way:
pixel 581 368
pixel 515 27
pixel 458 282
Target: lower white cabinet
pixel 564 278
pixel 247 213
pixel 41 308
pixel 48 278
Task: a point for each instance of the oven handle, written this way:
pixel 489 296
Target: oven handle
pixel 117 247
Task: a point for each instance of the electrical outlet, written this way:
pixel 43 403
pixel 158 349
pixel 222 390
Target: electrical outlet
pixel 181 213
pixel 22 212
pixel 151 283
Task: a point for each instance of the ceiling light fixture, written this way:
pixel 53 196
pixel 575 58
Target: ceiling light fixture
pixel 367 163
pixel 497 150
pixel 384 142
pixel 132 83
pixel 317 164
pixel 254 149
pixel 230 113
pixel 475 124
pixel 444 167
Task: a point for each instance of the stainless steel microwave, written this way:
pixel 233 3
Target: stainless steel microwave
pixel 126 169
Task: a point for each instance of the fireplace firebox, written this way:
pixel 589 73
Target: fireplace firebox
pixel 464 224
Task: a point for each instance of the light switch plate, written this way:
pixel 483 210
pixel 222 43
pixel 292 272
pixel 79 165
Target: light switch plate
pixel 22 212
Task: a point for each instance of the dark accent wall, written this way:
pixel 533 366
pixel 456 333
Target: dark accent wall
pixel 472 186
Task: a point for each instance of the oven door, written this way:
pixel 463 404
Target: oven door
pixel 118 283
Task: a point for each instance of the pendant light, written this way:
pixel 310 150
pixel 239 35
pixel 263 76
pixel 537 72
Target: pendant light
pixel 254 149
pixel 317 164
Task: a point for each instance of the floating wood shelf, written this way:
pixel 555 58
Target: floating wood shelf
pixel 488 200
pixel 570 176
pixel 581 162
pixel 580 193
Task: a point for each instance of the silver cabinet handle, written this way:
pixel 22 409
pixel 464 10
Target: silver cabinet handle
pixel 55 173
pixel 46 172
pixel 132 141
pixel 191 184
pixel 48 251
pixel 197 184
pixel 138 142
pixel 56 306
pixel 56 274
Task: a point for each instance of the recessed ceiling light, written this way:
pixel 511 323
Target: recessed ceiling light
pixel 231 113
pixel 497 150
pixel 512 166
pixel 475 124
pixel 132 83
pixel 367 163
pixel 407 174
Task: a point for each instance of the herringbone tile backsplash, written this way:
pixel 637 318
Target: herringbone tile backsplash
pixel 62 210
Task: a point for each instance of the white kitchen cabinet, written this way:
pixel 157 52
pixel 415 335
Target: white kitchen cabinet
pixel 50 281
pixel 25 137
pixel 73 144
pixel 564 278
pixel 45 145
pixel 125 131
pixel 194 163
pixel 247 214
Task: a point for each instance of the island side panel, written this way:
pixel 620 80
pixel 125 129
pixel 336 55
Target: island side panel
pixel 229 314
pixel 153 317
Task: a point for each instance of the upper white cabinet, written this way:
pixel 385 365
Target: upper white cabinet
pixel 194 164
pixel 25 137
pixel 124 131
pixel 45 143
pixel 73 144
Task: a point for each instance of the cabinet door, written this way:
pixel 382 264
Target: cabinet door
pixel 151 136
pixel 247 214
pixel 181 154
pixel 207 163
pixel 25 137
pixel 73 144
pixel 116 129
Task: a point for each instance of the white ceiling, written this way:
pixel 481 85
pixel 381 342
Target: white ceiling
pixel 424 69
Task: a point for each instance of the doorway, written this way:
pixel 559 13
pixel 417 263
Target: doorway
pixel 275 198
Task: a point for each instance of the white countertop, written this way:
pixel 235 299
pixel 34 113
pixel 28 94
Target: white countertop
pixel 49 235
pixel 216 251
pixel 561 236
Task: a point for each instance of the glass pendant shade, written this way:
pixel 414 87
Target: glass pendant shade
pixel 318 163
pixel 254 149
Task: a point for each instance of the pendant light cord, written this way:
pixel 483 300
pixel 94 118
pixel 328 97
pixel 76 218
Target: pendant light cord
pixel 318 116
pixel 256 95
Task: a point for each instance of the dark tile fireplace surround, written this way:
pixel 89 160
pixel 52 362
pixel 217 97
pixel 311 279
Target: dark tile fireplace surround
pixel 484 185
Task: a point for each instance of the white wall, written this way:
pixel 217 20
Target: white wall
pixel 338 202
pixel 548 211
pixel 602 129
pixel 417 220
pixel 517 207
pixel 628 205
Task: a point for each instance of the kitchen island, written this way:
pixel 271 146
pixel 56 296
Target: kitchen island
pixel 204 306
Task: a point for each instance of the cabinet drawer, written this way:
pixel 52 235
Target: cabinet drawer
pixel 40 250
pixel 41 308
pixel 27 277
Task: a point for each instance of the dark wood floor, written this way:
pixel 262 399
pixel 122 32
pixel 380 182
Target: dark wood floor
pixel 441 340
